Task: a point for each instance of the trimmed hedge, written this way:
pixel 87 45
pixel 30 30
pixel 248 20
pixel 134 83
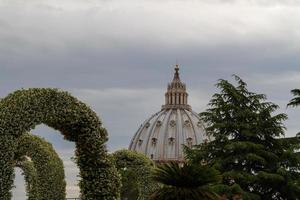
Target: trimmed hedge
pixel 136 172
pixel 30 176
pixel 22 110
pixel 49 168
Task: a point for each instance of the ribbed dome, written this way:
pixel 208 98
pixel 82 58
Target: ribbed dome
pixel 162 136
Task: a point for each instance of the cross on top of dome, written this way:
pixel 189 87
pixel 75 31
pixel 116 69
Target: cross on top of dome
pixel 176 75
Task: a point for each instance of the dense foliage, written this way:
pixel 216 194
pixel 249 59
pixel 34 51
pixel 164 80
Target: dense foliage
pixel 246 149
pixel 185 182
pixel 30 176
pixel 44 174
pixel 135 170
pixel 24 109
pixel 296 100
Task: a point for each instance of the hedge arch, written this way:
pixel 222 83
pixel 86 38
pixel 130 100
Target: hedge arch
pixel 22 110
pixel 30 176
pixel 136 172
pixel 49 182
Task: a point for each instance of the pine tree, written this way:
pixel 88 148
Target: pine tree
pixel 296 100
pixel 246 149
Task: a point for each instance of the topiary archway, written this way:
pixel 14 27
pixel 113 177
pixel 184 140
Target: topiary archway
pixel 30 176
pixel 24 109
pixel 50 178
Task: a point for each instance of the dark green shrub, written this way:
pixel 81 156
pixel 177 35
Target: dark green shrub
pixel 135 170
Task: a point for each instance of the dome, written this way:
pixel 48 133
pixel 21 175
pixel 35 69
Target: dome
pixel 162 136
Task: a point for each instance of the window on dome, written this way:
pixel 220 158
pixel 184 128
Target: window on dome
pixel 158 123
pixel 199 124
pixel 187 123
pixel 172 123
pixel 171 140
pixel 140 142
pixel 154 141
pixel 147 125
pixel 189 142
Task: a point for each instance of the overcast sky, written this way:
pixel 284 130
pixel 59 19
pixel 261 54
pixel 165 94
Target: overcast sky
pixel 117 56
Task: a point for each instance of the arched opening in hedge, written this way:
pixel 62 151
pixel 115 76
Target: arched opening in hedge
pixel 49 180
pixel 30 177
pixel 22 110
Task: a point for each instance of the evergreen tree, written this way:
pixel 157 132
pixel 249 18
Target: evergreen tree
pixel 185 182
pixel 296 100
pixel 246 149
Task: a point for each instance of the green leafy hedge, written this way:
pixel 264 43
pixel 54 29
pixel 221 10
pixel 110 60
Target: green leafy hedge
pixel 22 110
pixel 30 176
pixel 136 172
pixel 49 168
